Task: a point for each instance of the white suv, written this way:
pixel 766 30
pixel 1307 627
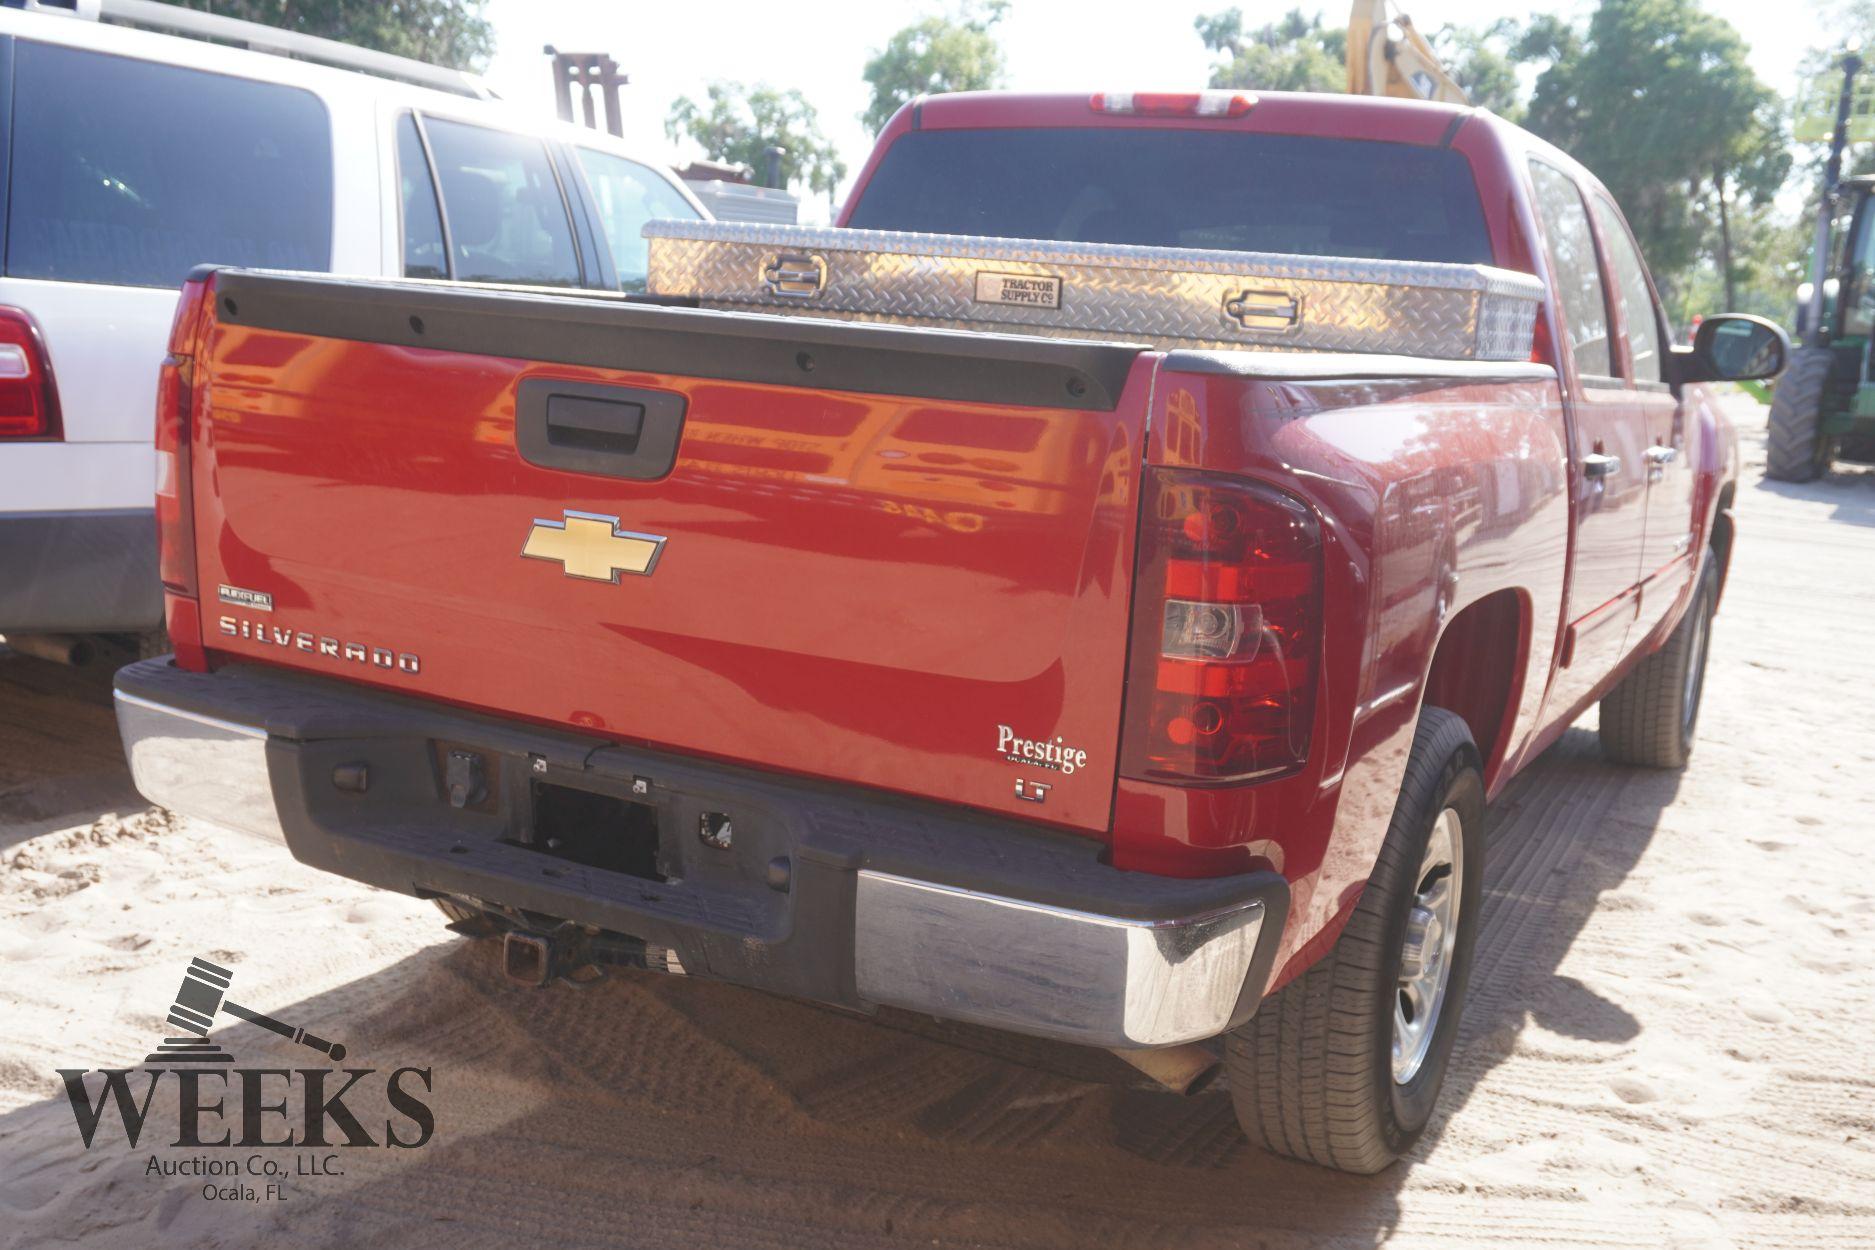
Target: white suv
pixel 128 157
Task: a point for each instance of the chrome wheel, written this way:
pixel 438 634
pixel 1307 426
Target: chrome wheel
pixel 1426 955
pixel 1695 667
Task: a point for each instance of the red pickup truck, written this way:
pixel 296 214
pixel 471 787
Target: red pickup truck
pixel 1091 591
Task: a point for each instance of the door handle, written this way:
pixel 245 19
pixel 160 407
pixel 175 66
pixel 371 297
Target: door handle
pixel 1596 465
pixel 1661 455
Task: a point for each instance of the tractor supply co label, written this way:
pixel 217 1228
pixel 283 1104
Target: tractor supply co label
pixel 1021 290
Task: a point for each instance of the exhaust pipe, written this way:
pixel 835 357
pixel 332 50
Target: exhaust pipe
pixel 1184 1069
pixel 58 648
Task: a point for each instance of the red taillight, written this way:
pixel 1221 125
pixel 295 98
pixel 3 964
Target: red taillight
pixel 1226 631
pixel 1541 353
pixel 1173 103
pixel 175 515
pixel 29 402
pixel 175 494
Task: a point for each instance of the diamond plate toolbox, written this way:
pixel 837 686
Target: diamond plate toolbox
pixel 1170 297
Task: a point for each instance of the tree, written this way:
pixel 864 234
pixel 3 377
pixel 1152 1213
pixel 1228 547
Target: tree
pixel 1657 98
pixel 1484 63
pixel 1768 251
pixel 1751 172
pixel 443 32
pixel 937 54
pixel 739 123
pixel 1294 53
pixel 1854 23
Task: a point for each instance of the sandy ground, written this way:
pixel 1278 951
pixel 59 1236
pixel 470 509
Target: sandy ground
pixel 1671 1041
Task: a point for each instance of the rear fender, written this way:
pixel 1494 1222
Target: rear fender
pixel 1438 486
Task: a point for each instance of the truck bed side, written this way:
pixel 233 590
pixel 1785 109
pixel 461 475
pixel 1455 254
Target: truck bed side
pixel 1443 490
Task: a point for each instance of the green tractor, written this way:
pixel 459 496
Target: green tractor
pixel 1824 405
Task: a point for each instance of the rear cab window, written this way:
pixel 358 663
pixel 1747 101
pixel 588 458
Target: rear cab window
pixel 495 211
pixel 1213 190
pixel 107 183
pixel 626 195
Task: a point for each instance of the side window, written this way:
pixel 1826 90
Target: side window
pixel 110 183
pixel 423 224
pixel 1637 302
pixel 1578 275
pixel 1858 310
pixel 507 218
pixel 628 195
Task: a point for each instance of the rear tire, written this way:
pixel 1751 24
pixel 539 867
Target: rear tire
pixel 1318 1073
pixel 1652 717
pixel 1796 450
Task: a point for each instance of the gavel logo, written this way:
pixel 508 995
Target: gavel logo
pixel 203 993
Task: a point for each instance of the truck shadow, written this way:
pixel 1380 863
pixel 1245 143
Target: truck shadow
pixel 61 761
pixel 1849 490
pixel 685 1112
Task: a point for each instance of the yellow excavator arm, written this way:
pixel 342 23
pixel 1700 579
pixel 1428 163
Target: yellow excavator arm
pixel 1388 56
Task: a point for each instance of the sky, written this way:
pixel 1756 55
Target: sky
pixel 675 49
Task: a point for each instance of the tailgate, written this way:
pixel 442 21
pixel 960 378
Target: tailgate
pixel 899 558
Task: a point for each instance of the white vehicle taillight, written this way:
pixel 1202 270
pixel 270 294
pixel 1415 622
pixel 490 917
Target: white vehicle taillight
pixel 29 402
pixel 1173 103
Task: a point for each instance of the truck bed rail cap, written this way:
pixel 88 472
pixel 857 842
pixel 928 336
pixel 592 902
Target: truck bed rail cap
pixel 1298 366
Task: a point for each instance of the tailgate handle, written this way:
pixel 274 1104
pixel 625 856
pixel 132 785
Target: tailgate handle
pixel 594 424
pixel 608 431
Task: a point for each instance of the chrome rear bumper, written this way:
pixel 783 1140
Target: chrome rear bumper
pixel 199 765
pixel 1033 968
pixel 887 905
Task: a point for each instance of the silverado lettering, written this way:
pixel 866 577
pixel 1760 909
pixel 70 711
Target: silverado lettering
pixel 318 644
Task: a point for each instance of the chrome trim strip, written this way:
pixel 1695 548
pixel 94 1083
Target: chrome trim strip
pixel 200 766
pixel 200 718
pixel 1050 971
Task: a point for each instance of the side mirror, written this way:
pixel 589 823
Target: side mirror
pixel 1733 347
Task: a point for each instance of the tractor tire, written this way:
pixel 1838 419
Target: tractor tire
pixel 1332 1070
pixel 1650 719
pixel 1798 450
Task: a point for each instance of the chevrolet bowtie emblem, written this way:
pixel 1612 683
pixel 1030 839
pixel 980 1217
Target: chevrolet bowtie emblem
pixel 593 547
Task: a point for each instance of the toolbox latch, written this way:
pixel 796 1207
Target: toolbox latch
pixel 794 275
pixel 1264 310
